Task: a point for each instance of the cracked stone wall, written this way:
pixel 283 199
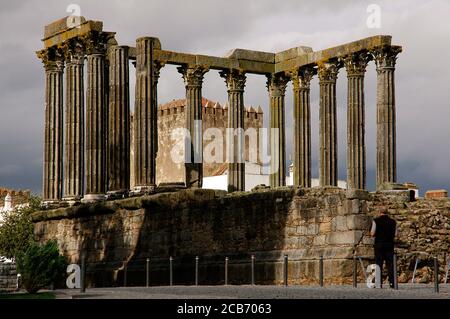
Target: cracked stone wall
pixel 268 223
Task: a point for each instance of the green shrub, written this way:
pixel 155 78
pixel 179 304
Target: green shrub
pixel 40 266
pixel 16 231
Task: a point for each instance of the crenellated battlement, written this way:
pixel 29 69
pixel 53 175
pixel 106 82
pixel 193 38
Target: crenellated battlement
pixel 208 108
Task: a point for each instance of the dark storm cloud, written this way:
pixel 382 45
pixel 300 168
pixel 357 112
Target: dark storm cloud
pixel 215 27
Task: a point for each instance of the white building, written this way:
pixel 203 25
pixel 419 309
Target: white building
pixel 7 207
pixel 254 176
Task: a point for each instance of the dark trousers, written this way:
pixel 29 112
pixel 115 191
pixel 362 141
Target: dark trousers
pixel 384 252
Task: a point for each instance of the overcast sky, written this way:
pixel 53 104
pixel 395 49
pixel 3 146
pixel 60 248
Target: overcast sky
pixel 215 27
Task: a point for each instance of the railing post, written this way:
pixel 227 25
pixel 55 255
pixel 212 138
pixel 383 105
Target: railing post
pixel 196 270
pixel 253 270
pixel 362 268
pixel 395 272
pixel 83 273
pixel 447 265
pixel 226 271
pixel 415 269
pixel 147 277
pixel 436 275
pixel 321 271
pixel 170 271
pixel 286 270
pixel 355 273
pixel 125 266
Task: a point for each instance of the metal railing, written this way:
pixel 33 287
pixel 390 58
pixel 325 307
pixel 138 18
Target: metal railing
pixel 356 259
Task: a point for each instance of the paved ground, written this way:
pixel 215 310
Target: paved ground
pixel 414 291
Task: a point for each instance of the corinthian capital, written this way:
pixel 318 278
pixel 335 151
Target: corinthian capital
pixel 235 79
pixel 356 63
pixel 95 43
pixel 74 51
pixel 301 78
pixel 385 57
pixel 157 66
pixel 52 58
pixel 193 75
pixel 276 84
pixel 328 71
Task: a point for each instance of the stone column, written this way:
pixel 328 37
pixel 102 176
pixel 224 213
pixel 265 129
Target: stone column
pixel 145 115
pixel 193 79
pixel 302 126
pixel 95 120
pixel 356 148
pixel 53 132
pixel 235 81
pixel 385 59
pixel 74 124
pixel 118 122
pixel 276 83
pixel 328 124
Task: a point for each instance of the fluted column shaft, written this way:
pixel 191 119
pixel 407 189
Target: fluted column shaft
pixel 96 127
pixel 235 81
pixel 386 133
pixel 356 147
pixel 193 78
pixel 119 121
pixel 145 115
pixel 74 126
pixel 302 126
pixel 277 89
pixel 53 128
pixel 328 124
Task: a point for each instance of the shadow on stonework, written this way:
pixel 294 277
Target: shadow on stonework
pixel 212 225
pixel 104 247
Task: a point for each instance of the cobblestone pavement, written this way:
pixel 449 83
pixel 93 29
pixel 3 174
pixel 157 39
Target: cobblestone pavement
pixel 406 291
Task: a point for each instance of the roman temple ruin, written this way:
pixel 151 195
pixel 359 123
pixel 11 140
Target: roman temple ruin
pixel 150 226
pixel 87 135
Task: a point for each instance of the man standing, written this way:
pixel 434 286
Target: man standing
pixel 384 229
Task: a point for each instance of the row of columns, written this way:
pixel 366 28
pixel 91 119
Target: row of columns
pixel 355 65
pixel 86 152
pixel 107 145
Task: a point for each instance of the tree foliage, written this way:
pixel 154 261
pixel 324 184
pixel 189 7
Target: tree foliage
pixel 16 230
pixel 40 266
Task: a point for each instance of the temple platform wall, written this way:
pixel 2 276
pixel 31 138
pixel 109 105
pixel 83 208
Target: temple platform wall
pixel 303 224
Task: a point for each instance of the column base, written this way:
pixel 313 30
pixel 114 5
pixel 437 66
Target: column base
pixel 71 200
pixel 143 190
pixel 49 204
pixel 93 198
pixel 117 194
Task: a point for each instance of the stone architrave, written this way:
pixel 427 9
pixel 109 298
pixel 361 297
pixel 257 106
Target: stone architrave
pixel 276 84
pixel 146 115
pixel 193 79
pixel 95 118
pixel 355 65
pixel 302 125
pixel 385 59
pixel 235 81
pixel 118 121
pixel 53 61
pixel 74 122
pixel 328 72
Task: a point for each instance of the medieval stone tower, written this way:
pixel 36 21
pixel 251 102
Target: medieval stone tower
pixel 171 117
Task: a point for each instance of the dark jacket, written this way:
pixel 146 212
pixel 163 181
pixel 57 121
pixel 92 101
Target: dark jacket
pixel 385 230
